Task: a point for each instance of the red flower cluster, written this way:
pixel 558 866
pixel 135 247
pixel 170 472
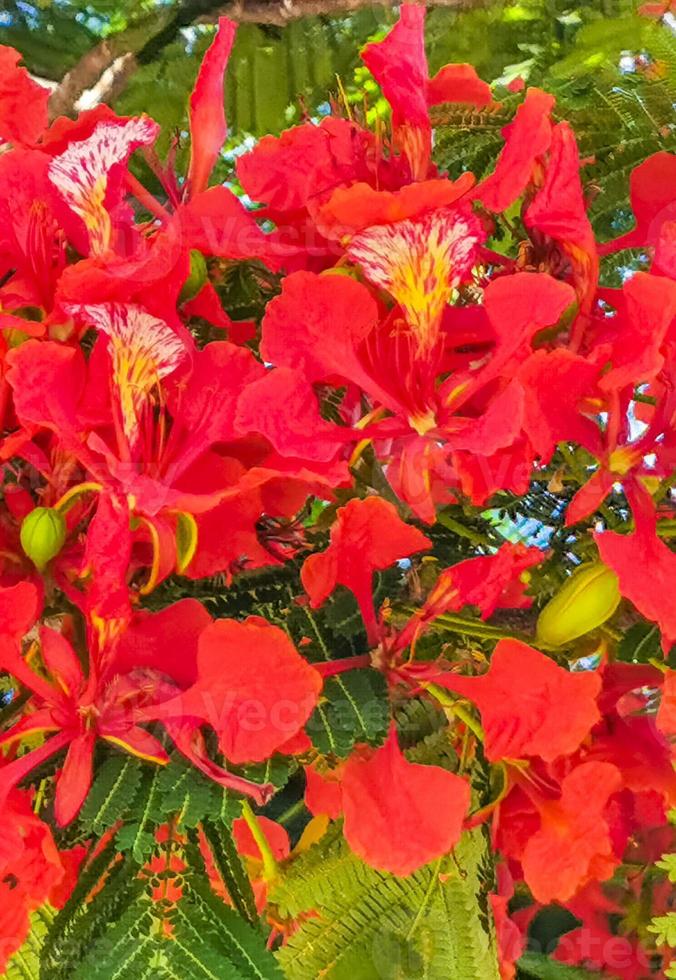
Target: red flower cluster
pixel 133 453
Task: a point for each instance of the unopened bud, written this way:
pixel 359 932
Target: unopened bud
pixel 587 600
pixel 43 533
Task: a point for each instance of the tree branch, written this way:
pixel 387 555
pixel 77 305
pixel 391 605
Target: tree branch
pixel 121 54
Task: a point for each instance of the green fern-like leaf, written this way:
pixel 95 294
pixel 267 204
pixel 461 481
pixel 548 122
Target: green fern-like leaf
pixel 80 926
pixel 229 865
pixel 25 963
pixel 437 927
pixel 540 967
pixel 353 708
pixel 112 793
pixel 241 943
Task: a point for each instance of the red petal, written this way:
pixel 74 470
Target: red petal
pixel 274 833
pixel 555 382
pixel 399 65
pixel 650 309
pixel 316 324
pixel 165 641
pixel 400 815
pixel 458 83
pixel 529 706
pixel 629 555
pixel 253 688
pixel 526 138
pixel 652 200
pixel 298 168
pixel 61 661
pixel 47 380
pixel 299 431
pixel 23 103
pixel 666 716
pixel 137 741
pixel 368 535
pixel 558 209
pixel 19 608
pixel 208 128
pixel 573 844
pixel 11 773
pixel 323 794
pixel 75 779
pixel 359 206
pixel 216 223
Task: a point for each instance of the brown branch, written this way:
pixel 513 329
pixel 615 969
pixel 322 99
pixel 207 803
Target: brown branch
pixel 279 14
pixel 144 42
pixel 82 76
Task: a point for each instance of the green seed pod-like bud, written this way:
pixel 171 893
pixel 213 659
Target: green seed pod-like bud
pixel 197 277
pixel 43 533
pixel 589 598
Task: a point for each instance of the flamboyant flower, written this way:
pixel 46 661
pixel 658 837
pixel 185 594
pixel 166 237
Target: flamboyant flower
pixel 489 582
pixel 434 415
pixel 572 846
pixel 139 415
pixel 75 710
pixel 529 705
pixel 186 677
pixel 31 871
pixel 368 535
pixel 400 815
pixel 399 65
pixel 256 702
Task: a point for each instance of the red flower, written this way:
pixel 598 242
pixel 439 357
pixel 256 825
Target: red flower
pixel 529 706
pixel 400 815
pixel 252 687
pixel 368 535
pixel 31 871
pixel 77 710
pixel 399 65
pixel 572 846
pixel 488 582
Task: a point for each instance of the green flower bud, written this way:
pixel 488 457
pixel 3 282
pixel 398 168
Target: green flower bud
pixel 197 277
pixel 43 533
pixel 589 598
